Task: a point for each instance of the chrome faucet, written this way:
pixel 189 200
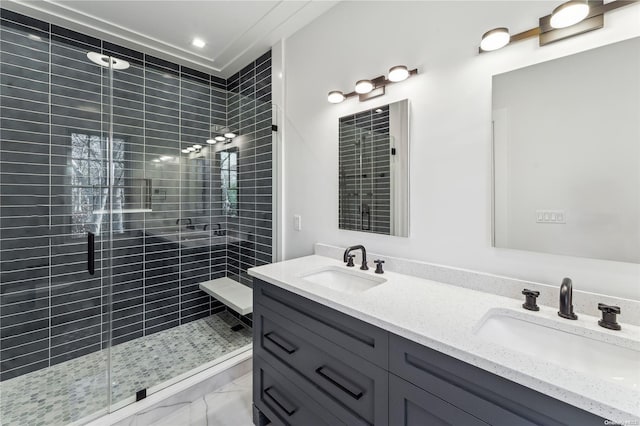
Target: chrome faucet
pixel 345 257
pixel 566 300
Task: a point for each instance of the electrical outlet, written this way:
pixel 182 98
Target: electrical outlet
pixel 297 222
pixel 550 216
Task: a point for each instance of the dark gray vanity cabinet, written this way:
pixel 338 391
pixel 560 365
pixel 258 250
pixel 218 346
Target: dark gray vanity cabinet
pixel 334 359
pixel 314 366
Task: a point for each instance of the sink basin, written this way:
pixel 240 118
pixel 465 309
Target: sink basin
pixel 612 358
pixel 344 280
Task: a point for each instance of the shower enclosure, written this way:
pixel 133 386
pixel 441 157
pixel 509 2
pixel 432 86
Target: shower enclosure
pixel 114 205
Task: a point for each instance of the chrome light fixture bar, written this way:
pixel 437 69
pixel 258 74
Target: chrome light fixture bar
pixel 569 19
pixel 369 89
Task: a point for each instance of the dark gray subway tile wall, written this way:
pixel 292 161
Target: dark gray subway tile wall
pixel 51 309
pixel 364 167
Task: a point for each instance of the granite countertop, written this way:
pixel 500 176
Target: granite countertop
pixel 444 317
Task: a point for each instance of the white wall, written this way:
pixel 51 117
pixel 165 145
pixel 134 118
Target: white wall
pixel 450 129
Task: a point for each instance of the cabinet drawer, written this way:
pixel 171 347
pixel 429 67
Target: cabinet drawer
pixel 411 406
pixel 350 387
pixel 484 395
pixel 284 403
pixel 356 336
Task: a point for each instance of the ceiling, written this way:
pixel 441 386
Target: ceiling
pixel 235 32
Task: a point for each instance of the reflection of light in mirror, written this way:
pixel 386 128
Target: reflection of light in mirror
pixel 229 135
pixel 185 151
pixel 35 37
pixel 156 160
pixel 196 146
pixel 220 138
pixel 191 149
pixel 211 141
pixel 166 158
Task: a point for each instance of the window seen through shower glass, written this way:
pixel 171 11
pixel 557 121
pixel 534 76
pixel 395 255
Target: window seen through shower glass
pixel 229 178
pixel 90 186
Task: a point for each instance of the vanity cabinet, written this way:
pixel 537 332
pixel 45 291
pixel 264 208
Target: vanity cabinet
pixel 314 365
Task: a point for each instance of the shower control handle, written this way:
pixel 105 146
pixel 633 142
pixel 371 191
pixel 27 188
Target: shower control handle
pixel 91 253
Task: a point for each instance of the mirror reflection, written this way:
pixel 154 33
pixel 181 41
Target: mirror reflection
pixel 567 155
pixel 374 170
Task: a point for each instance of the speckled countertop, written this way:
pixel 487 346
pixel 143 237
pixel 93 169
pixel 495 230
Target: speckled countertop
pixel 444 317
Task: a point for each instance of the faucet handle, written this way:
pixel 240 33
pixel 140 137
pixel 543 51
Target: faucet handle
pixel 379 263
pixel 350 260
pixel 530 299
pixel 609 316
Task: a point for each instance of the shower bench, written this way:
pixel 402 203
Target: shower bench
pixel 237 296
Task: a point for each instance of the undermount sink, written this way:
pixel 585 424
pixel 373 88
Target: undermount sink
pixel 344 280
pixel 612 358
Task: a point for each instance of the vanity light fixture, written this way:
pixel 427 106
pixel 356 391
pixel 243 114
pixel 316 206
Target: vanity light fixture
pixel 369 89
pixel 335 97
pixel 495 39
pixel 364 86
pixel 569 19
pixel 569 13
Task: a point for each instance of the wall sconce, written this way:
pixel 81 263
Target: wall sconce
pixel 567 20
pixel 225 136
pixel 369 89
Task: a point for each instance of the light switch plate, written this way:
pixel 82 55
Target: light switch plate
pixel 297 222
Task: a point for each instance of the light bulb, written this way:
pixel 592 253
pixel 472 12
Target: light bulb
pixel 569 13
pixel 364 86
pixel 398 73
pixel 335 97
pixel 495 39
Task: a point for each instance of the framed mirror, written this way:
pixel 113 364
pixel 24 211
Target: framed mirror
pixel 567 155
pixel 373 165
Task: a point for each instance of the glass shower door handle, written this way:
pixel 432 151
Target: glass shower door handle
pixel 91 253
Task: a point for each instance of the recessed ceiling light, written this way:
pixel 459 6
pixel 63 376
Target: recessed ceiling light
pixel 198 42
pixel 220 138
pixel 229 135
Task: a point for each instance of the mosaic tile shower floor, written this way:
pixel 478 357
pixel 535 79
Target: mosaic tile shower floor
pixel 75 389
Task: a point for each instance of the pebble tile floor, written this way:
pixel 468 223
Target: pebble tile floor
pixel 76 389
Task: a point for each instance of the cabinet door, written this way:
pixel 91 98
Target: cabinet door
pixel 411 406
pixel 350 387
pixel 282 402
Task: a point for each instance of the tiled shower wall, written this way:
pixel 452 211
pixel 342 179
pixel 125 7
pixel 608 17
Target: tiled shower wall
pixel 364 167
pixel 51 309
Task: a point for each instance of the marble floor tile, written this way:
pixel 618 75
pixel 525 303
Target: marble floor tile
pixel 228 406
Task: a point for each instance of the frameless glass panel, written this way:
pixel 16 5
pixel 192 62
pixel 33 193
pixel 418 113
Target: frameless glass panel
pixel 54 227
